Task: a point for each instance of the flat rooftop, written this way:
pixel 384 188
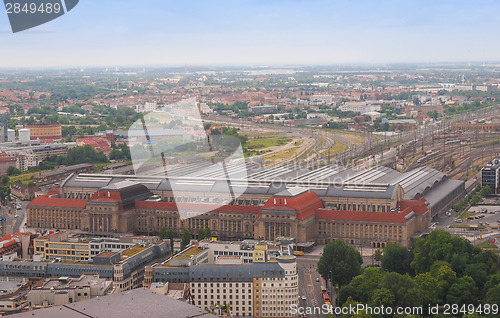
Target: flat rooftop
pixel 131 251
pixel 65 283
pixel 139 302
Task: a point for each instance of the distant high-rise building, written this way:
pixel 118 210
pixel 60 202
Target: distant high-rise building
pixel 3 128
pixel 24 134
pixel 490 175
pixel 11 133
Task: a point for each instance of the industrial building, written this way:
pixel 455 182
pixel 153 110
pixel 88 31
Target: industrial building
pixel 372 207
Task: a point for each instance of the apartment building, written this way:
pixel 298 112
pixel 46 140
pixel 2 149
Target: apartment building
pixel 255 278
pixel 61 246
pixel 125 269
pixel 490 175
pixel 6 161
pixel 31 156
pixel 44 132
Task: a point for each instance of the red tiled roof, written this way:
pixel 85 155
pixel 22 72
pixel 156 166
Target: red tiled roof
pixel 10 247
pixel 361 216
pixel 54 191
pixel 99 143
pixel 305 204
pixel 21 233
pixel 58 202
pixel 418 206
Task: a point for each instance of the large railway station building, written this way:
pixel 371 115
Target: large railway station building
pixel 373 207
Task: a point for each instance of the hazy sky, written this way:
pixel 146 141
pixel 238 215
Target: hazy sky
pixel 229 32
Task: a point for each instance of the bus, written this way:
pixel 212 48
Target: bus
pixel 325 297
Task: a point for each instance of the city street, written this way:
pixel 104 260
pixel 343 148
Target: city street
pixel 308 286
pixel 14 219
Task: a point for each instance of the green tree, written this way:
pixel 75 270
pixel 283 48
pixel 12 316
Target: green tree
pixel 382 297
pixel 493 295
pixel 397 258
pixel 429 289
pixel 339 263
pixel 186 239
pixel 170 236
pixel 5 180
pixel 13 171
pixel 486 191
pixel 362 286
pixel 444 274
pixel 201 234
pixel 350 303
pixel 378 255
pixel 402 287
pixel 463 291
pixel 478 272
pixel 441 245
pixel 493 280
pixel 163 233
pixel 4 194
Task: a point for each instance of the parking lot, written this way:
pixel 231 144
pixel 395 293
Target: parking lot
pixel 480 225
pixel 484 215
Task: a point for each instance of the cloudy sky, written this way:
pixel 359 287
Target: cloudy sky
pixel 256 32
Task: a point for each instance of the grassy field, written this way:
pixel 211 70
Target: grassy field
pixel 262 142
pixel 252 153
pixel 25 178
pixel 465 226
pixel 353 138
pixel 338 147
pixel 283 155
pixel 466 215
pixel 486 244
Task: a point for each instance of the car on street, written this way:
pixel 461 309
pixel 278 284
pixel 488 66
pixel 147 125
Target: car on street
pixel 303 297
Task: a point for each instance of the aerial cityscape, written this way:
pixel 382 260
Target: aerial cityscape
pixel 232 180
